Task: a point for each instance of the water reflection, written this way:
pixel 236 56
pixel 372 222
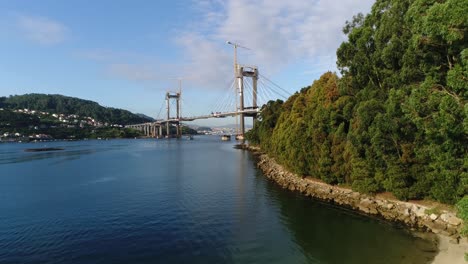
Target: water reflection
pixel 171 201
pixel 100 180
pixel 15 153
pixel 328 234
pixel 16 157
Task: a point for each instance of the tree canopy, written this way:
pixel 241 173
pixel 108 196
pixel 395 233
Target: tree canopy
pixel 396 119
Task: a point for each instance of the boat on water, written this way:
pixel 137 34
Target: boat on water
pixel 226 137
pixel 190 137
pixel 239 137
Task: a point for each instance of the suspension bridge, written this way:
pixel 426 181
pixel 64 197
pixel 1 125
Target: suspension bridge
pixel 246 93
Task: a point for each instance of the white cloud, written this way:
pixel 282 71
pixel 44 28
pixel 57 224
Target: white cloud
pixel 206 60
pixel 280 33
pixel 42 30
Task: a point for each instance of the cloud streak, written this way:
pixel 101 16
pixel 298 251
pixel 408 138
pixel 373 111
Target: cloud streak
pixel 280 33
pixel 42 30
pixel 131 66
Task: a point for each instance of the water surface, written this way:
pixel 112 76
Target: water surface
pixel 174 201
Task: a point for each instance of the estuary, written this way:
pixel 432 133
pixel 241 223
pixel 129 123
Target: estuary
pixel 174 201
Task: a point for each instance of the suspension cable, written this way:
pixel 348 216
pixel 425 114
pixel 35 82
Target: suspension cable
pixel 279 87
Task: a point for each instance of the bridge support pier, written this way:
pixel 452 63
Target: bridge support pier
pixel 153 130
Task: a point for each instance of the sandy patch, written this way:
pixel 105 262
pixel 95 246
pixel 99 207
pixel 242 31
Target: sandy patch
pixel 451 253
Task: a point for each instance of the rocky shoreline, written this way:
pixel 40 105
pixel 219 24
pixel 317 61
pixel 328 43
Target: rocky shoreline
pixel 415 216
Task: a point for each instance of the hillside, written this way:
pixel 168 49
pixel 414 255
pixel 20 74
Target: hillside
pixel 397 118
pixel 71 106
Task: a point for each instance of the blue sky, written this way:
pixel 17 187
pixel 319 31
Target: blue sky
pixel 127 54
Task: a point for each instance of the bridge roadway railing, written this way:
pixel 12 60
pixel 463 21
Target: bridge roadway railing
pixel 154 129
pixel 246 112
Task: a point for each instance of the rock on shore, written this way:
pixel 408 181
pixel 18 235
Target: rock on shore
pixel 416 216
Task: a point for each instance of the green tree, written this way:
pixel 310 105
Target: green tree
pixel 397 119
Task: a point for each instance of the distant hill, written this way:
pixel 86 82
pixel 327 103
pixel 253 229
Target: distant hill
pixel 55 103
pixel 203 128
pixel 232 126
pixel 145 116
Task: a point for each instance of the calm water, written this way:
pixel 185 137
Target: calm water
pixel 174 201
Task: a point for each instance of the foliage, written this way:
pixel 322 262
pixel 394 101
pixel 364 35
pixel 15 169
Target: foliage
pixel 462 208
pixel 267 121
pixel 188 131
pixel 435 210
pixel 10 119
pixel 203 128
pixel 397 118
pixel 69 105
pixel 108 132
pixel 27 124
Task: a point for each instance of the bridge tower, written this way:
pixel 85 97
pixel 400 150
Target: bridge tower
pixel 241 71
pixel 175 120
pixel 250 72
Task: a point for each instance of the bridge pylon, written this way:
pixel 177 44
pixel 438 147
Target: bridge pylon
pixel 173 120
pixel 249 72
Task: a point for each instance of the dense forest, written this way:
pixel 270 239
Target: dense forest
pixel 70 105
pixel 396 118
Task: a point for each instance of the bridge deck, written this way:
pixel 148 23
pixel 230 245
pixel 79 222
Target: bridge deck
pixel 246 112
